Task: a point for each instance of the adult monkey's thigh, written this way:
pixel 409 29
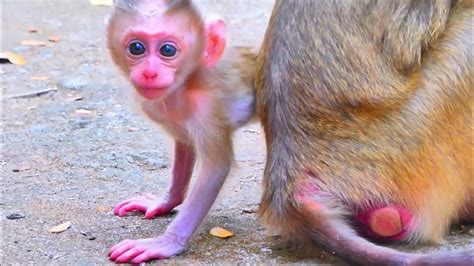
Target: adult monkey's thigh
pixel 366 108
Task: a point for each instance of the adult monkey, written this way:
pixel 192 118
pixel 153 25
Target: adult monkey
pixel 366 107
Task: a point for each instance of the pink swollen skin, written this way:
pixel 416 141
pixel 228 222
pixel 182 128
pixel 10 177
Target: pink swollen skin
pixel 385 223
pixel 388 223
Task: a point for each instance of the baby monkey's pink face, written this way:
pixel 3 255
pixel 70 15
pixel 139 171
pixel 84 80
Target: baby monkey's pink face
pixel 160 51
pixel 154 54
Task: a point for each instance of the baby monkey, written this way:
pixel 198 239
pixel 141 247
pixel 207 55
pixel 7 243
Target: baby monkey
pixel 171 57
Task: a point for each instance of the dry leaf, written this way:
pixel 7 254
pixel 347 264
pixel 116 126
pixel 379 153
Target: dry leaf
pixel 221 232
pixel 102 2
pixel 13 58
pixel 60 228
pixel 33 43
pixel 32 30
pixel 41 78
pixel 103 208
pixel 133 129
pixel 54 38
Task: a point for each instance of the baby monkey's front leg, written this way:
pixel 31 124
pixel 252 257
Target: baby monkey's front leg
pixel 154 206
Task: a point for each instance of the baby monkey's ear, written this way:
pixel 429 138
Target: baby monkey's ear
pixel 216 37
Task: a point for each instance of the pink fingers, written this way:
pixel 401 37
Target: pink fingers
pixel 133 206
pixel 119 205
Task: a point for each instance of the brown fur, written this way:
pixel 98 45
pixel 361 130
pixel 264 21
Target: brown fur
pixel 374 100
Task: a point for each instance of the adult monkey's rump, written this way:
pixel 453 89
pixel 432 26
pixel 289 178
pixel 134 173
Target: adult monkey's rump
pixel 366 107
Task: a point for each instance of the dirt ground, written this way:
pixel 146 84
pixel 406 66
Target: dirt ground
pixel 71 153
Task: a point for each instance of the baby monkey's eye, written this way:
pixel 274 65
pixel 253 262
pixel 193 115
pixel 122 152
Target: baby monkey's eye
pixel 136 48
pixel 168 50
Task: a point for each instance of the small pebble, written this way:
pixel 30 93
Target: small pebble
pixel 54 257
pixel 77 83
pixel 88 235
pixel 15 216
pixel 248 211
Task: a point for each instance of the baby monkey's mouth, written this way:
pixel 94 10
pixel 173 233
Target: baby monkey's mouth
pixel 150 92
